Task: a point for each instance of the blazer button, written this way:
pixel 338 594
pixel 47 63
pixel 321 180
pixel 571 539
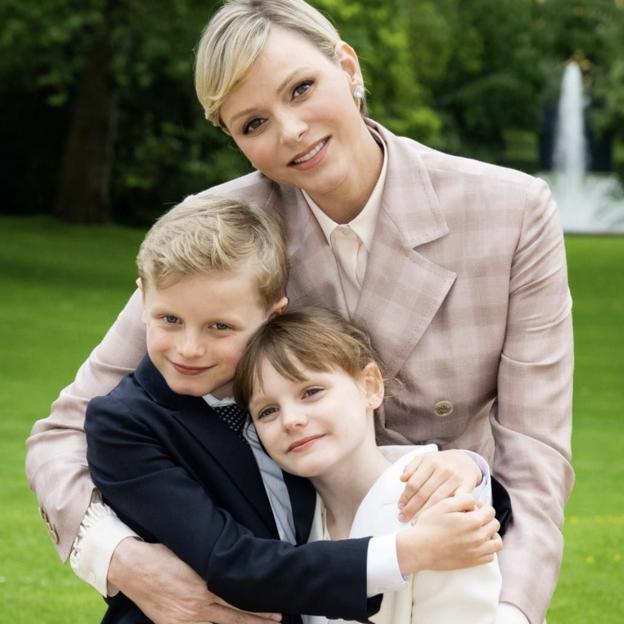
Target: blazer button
pixel 443 408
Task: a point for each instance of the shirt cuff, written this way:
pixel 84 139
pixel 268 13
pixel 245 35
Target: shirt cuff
pixel 510 614
pixel 483 491
pixel 382 566
pixel 99 534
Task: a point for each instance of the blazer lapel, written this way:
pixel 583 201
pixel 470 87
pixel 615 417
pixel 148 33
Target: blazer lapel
pixel 235 458
pixel 402 289
pixel 314 277
pixel 302 500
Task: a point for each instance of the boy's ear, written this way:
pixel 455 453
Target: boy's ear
pixel 139 284
pixel 373 385
pixel 279 308
pixel 141 289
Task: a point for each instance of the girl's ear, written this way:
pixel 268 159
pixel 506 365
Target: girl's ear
pixel 373 385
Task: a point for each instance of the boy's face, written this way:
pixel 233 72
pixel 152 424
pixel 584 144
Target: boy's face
pixel 198 327
pixel 316 425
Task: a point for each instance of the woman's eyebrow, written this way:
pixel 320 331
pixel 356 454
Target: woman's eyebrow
pixel 280 88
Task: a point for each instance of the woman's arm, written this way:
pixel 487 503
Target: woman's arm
pixel 531 418
pixel 56 463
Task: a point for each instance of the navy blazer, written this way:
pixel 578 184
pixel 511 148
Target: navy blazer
pixel 176 474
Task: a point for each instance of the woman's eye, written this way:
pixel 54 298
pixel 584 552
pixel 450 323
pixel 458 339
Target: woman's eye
pixel 252 125
pixel 302 88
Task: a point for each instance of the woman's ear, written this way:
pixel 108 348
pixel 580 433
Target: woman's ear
pixel 373 385
pixel 348 61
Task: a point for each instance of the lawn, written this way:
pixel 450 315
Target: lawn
pixel 61 288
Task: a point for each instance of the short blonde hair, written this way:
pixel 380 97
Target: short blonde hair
pixel 235 35
pixel 312 338
pixel 208 234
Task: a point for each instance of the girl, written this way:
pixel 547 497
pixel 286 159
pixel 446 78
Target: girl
pixel 312 382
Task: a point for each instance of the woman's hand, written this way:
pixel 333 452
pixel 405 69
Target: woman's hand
pixel 168 591
pixel 457 532
pixel 431 477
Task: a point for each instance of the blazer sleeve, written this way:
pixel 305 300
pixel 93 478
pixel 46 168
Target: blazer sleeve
pixel 532 416
pixel 162 502
pixel 56 464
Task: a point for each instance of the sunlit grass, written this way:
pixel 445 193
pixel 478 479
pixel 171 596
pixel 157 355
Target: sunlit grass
pixel 61 287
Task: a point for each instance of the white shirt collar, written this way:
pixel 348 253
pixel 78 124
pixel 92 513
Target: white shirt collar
pixel 364 223
pixel 214 402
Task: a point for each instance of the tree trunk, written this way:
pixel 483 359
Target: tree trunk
pixel 83 194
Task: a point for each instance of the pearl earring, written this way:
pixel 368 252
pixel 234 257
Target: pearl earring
pixel 358 92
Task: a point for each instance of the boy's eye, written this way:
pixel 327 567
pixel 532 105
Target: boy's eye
pixel 171 319
pixel 302 88
pixel 266 412
pixel 252 125
pixel 221 326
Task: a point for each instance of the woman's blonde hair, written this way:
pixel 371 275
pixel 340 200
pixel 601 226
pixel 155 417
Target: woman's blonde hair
pixel 215 234
pixel 309 338
pixel 235 35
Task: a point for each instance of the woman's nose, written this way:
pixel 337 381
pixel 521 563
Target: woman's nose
pixel 293 129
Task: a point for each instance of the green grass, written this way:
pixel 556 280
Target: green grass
pixel 61 287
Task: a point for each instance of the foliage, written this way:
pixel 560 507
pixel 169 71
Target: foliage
pixel 465 77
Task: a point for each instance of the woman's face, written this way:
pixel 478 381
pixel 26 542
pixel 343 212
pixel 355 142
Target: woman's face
pixel 313 426
pixel 294 116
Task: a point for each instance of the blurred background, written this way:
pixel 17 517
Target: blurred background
pixel 101 132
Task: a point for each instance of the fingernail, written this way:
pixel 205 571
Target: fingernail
pixel 402 517
pixel 401 504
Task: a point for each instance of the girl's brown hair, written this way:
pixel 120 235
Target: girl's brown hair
pixel 310 338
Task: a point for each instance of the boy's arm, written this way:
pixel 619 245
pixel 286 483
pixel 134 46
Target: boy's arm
pixel 160 500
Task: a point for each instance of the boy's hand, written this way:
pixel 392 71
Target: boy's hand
pixel 168 591
pixel 431 477
pixel 457 532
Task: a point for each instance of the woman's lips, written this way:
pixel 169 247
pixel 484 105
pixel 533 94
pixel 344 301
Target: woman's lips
pixel 310 157
pixel 303 443
pixel 189 370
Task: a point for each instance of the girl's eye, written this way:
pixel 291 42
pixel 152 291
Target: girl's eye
pixel 309 392
pixel 171 319
pixel 267 411
pixel 302 88
pixel 252 125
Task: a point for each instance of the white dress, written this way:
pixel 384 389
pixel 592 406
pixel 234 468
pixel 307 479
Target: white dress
pixel 467 596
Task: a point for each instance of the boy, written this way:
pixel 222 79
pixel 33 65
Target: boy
pixel 211 271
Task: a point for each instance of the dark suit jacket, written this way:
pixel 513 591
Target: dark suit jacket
pixel 177 475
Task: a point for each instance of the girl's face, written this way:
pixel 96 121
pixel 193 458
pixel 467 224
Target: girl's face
pixel 294 116
pixel 312 426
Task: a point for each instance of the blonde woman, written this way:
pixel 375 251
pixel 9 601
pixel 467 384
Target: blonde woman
pixel 456 269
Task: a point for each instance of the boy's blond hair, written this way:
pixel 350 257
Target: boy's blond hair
pixel 311 338
pixel 234 38
pixel 214 234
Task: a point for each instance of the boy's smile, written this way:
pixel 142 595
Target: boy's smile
pixel 199 325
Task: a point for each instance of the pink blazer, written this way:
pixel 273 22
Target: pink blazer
pixel 467 302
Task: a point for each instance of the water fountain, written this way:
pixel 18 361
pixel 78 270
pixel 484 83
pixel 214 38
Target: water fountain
pixel 589 203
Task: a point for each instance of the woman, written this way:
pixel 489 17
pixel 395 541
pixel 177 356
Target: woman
pixel 311 383
pixel 455 268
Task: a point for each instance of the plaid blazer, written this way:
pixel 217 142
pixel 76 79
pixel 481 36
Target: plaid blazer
pixel 466 299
